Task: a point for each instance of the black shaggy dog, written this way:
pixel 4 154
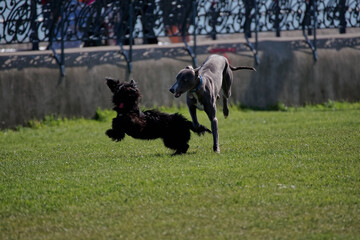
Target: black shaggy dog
pixel 174 129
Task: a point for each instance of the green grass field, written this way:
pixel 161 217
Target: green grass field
pixel 292 174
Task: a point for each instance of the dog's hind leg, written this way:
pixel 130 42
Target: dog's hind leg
pixel 226 87
pixel 182 149
pixel 225 107
pixel 179 147
pixel 178 136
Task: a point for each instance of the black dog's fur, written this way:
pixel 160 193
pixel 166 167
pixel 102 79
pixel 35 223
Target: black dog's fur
pixel 174 129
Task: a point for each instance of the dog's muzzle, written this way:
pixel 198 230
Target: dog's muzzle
pixel 177 94
pixel 173 89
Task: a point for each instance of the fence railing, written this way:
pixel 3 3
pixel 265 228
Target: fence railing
pixel 101 22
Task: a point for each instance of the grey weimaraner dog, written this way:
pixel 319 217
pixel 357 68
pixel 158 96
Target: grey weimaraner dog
pixel 203 86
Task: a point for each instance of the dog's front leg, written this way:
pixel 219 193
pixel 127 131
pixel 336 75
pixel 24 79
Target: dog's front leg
pixel 192 110
pixel 214 128
pixel 116 133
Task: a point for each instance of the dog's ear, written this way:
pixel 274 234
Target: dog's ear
pixel 112 84
pixel 196 70
pixel 133 83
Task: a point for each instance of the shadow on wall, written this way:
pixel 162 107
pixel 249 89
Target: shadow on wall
pixel 88 59
pixel 288 74
pixel 93 58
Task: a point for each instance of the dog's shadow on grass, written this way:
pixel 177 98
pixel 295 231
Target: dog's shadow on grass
pixel 167 154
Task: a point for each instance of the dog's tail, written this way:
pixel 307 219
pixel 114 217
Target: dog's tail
pixel 241 67
pixel 200 130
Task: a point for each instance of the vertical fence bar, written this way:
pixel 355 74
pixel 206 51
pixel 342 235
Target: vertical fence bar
pixel 249 5
pixel 315 28
pixel 59 60
pixel 125 23
pixel 310 14
pixel 213 17
pixel 34 34
pixel 247 22
pixel 277 18
pixel 342 10
pixel 184 32
pixel 194 11
pixel 257 60
pixel 62 60
pixel 131 19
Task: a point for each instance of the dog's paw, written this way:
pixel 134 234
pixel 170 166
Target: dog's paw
pixel 110 133
pixel 181 150
pixel 216 149
pixel 226 112
pixel 201 130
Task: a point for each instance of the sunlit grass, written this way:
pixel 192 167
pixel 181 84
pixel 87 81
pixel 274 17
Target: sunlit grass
pixel 280 174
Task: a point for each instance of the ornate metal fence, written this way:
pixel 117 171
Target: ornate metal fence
pixel 98 22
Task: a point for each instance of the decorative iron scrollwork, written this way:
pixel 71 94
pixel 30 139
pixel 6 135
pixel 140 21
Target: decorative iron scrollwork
pixel 97 21
pixel 103 22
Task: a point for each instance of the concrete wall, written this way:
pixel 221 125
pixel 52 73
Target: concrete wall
pixel 31 86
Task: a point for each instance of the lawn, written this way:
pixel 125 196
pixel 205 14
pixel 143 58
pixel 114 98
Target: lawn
pixel 291 174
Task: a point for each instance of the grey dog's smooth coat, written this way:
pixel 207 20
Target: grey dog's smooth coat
pixel 203 86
